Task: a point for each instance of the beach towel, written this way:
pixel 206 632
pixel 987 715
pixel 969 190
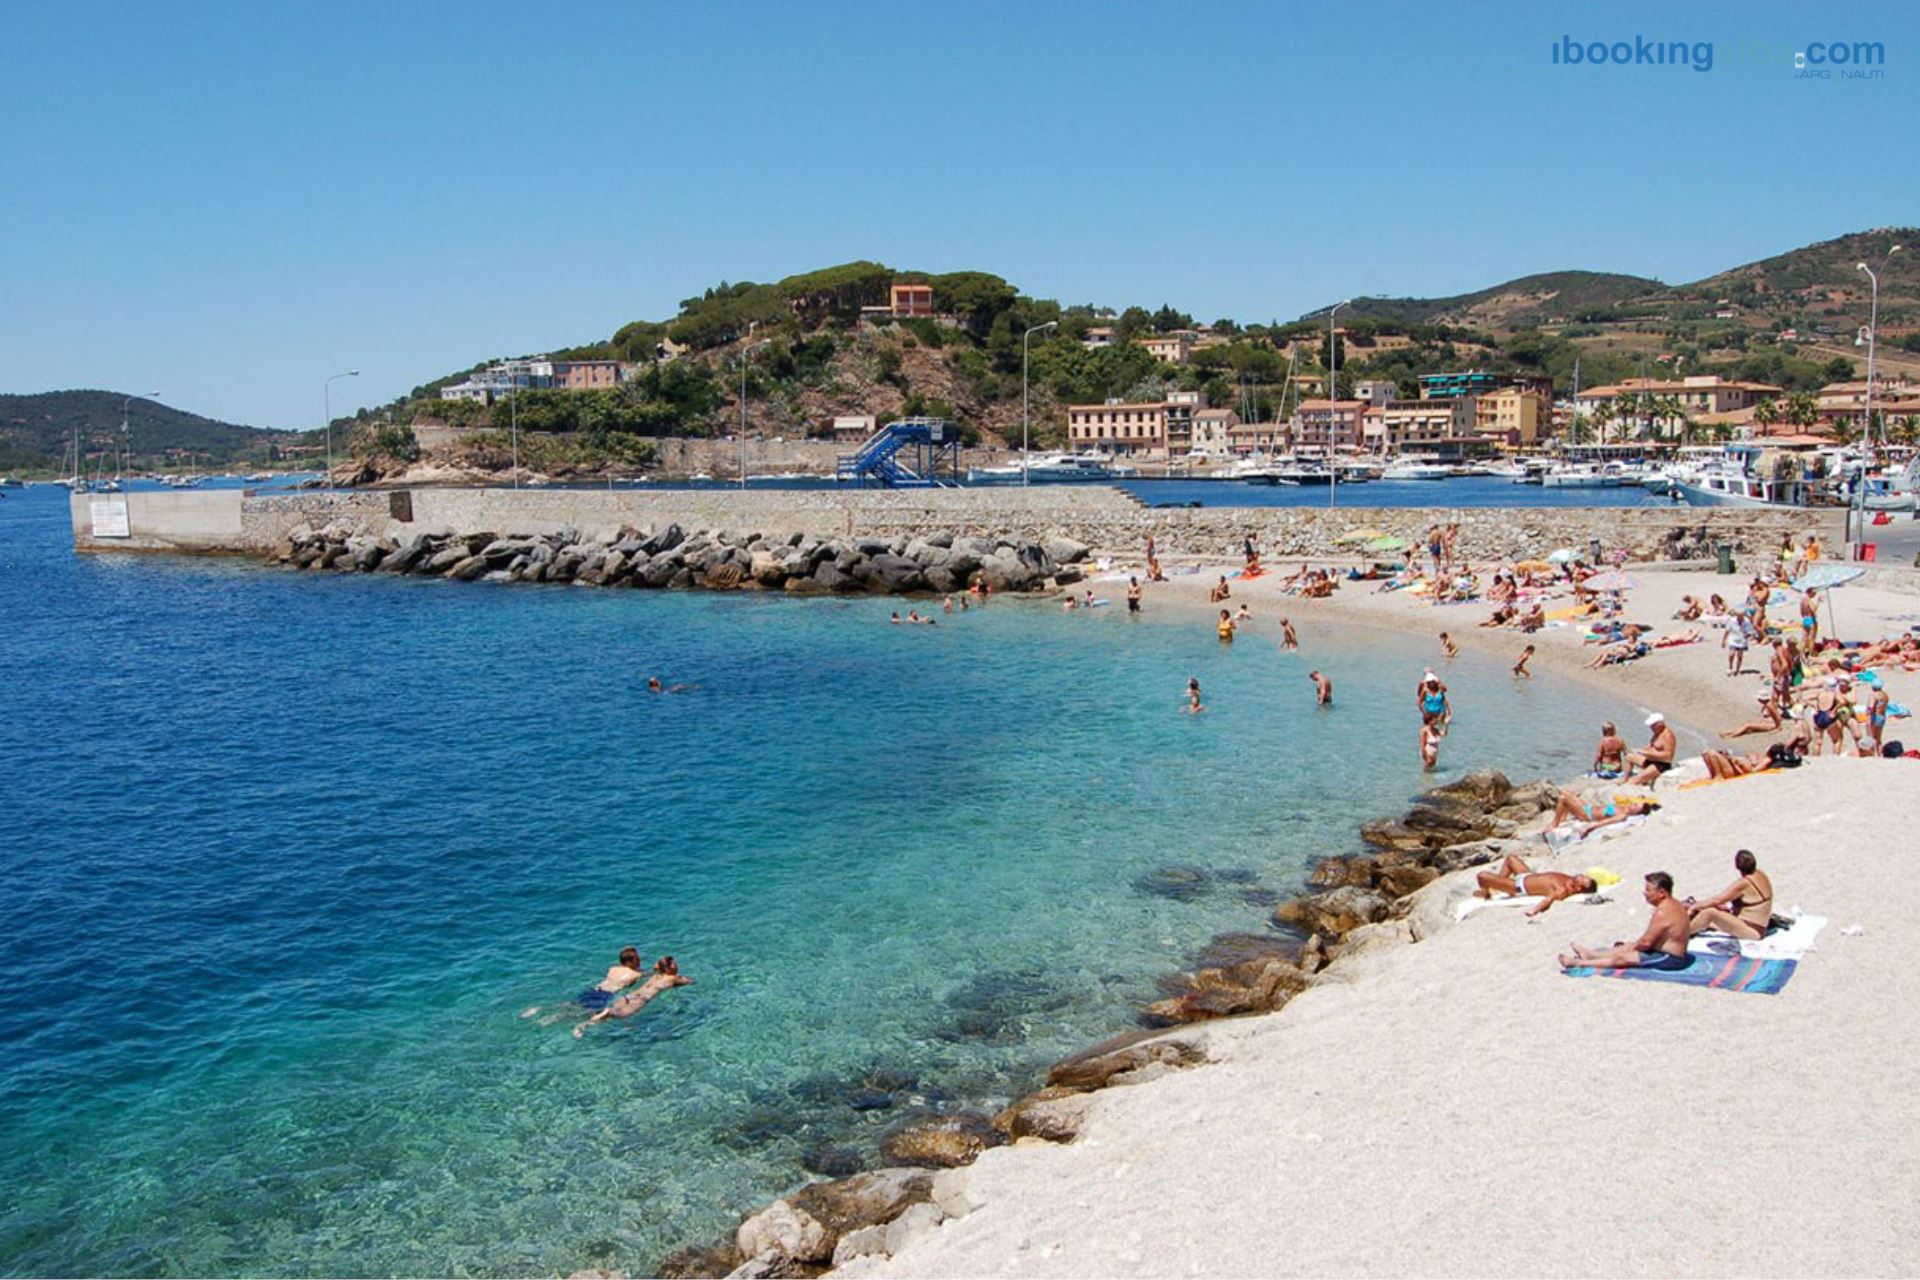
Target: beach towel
pixel 1560 837
pixel 1461 910
pixel 1790 943
pixel 1721 973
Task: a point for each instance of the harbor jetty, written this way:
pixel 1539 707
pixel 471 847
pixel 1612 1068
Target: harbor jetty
pixel 852 541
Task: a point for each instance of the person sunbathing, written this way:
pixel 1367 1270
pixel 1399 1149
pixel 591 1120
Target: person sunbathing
pixel 1663 945
pixel 1688 635
pixel 1625 651
pixel 1518 880
pixel 1742 909
pixel 1768 722
pixel 665 974
pixel 1689 610
pixel 1588 816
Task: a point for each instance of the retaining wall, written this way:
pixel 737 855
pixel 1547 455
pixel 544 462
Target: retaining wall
pixel 1107 519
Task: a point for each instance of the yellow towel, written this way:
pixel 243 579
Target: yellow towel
pixel 1602 877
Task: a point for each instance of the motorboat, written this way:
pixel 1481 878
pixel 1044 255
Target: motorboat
pixel 1414 469
pixel 1053 468
pixel 1574 476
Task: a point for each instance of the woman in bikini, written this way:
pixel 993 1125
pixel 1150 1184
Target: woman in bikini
pixel 1742 909
pixel 665 974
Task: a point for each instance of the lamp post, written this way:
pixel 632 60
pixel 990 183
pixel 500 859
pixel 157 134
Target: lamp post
pixel 746 355
pixel 513 420
pixel 126 435
pixel 1333 396
pixel 326 399
pixel 1025 425
pixel 1866 425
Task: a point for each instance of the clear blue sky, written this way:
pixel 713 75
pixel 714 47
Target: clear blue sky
pixel 229 202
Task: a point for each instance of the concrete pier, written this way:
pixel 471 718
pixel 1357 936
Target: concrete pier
pixel 240 522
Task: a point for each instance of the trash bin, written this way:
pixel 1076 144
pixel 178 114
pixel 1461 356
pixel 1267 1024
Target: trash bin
pixel 1868 550
pixel 1725 550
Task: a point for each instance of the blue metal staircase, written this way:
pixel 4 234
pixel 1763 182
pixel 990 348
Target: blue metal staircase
pixel 880 461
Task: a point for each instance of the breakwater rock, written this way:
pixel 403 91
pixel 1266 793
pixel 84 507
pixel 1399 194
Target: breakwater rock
pixel 710 559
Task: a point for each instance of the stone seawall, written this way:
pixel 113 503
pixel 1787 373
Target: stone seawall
pixel 1110 521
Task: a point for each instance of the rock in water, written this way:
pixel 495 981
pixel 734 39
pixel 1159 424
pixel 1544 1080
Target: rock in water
pixel 786 1232
pixel 941 1144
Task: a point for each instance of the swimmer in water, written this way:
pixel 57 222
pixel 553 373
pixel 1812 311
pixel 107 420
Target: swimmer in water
pixel 1323 689
pixel 1520 671
pixel 1446 642
pixel 665 974
pixel 623 973
pixel 1194 706
pixel 1225 627
pixel 1288 640
pixel 653 685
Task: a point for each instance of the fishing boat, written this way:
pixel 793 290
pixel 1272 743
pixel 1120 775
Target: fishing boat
pixel 1581 476
pixel 1746 476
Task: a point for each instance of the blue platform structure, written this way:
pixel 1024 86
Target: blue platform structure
pixel 906 455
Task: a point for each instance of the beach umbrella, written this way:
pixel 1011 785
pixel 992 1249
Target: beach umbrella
pixel 1387 542
pixel 1825 577
pixel 1564 555
pixel 1612 580
pixel 1532 566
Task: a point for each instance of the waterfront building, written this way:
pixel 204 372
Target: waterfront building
pixel 1422 424
pixel 1118 427
pixel 1320 425
pixel 1174 348
pixel 1376 391
pixel 1452 386
pixel 1213 432
pixel 854 428
pixel 1697 395
pixel 1518 415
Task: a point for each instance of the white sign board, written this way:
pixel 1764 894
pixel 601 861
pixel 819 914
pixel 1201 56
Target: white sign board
pixel 110 518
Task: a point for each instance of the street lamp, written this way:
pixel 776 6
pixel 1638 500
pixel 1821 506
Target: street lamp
pixel 513 420
pixel 326 398
pixel 126 434
pixel 1333 396
pixel 745 356
pixel 1026 456
pixel 1866 426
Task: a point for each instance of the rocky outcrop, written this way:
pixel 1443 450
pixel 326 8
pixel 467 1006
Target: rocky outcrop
pixel 942 1143
pixel 713 560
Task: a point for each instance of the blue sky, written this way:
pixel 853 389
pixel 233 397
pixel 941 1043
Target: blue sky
pixel 229 202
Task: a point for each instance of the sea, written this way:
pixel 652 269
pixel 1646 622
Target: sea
pixel 301 872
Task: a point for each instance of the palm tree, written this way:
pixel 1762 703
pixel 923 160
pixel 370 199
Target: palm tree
pixel 1767 414
pixel 1803 410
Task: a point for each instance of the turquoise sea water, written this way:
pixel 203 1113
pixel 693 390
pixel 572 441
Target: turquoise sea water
pixel 287 856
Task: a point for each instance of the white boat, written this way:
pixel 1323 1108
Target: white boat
pixel 698 476
pixel 9 482
pixel 1740 479
pixel 1581 477
pixel 1414 469
pixel 1053 468
pixel 1504 470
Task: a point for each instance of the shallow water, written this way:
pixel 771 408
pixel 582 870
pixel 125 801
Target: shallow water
pixel 287 856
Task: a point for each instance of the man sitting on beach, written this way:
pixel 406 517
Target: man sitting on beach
pixel 1658 756
pixel 1517 880
pixel 1662 946
pixel 665 974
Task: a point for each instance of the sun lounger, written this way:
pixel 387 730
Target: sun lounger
pixel 1721 973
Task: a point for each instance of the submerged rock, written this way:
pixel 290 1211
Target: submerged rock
pixel 832 1161
pixel 943 1143
pixel 1181 884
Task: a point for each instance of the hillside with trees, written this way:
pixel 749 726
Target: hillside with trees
pixel 37 431
pixel 811 348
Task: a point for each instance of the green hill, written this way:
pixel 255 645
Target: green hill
pixel 36 432
pixel 1530 301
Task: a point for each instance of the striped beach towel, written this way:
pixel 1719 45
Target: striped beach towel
pixel 1723 973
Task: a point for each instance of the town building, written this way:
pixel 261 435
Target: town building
pixel 1118 427
pixel 906 301
pixel 1213 432
pixel 1517 415
pixel 1376 391
pixel 498 380
pixel 1452 386
pixel 854 428
pixel 589 375
pixel 1419 425
pixel 1321 425
pixel 1258 437
pixel 1174 348
pixel 1846 402
pixel 1181 407
pixel 1702 393
pixel 1097 337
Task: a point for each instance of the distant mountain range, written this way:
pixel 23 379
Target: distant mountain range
pixel 1817 286
pixel 37 430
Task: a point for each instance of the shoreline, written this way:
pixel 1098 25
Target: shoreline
pixel 948 1227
